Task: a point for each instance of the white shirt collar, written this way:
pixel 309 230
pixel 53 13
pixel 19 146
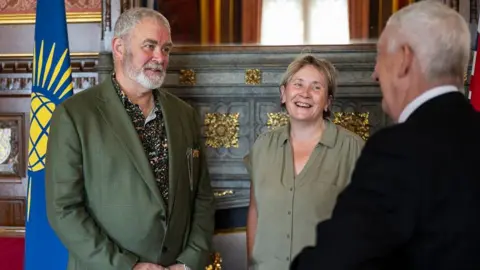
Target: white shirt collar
pixel 424 97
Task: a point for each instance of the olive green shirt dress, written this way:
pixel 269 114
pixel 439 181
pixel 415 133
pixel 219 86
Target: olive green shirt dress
pixel 289 207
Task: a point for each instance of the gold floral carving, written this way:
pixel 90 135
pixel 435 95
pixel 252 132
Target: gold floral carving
pixel 221 129
pixel 217 262
pixel 355 122
pixel 187 77
pixel 276 120
pixel 223 193
pixel 253 76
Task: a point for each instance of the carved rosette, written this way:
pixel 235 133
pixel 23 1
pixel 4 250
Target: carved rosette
pixel 276 120
pixel 223 193
pixel 187 77
pixel 355 122
pixel 253 76
pixel 221 130
pixel 217 262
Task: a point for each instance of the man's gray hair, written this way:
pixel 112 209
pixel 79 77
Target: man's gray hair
pixel 438 36
pixel 133 16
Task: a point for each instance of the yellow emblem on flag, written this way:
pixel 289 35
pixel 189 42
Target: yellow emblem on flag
pixel 41 106
pixel 40 114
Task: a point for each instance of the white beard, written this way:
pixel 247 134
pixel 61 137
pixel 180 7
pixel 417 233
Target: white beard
pixel 141 78
pixel 146 82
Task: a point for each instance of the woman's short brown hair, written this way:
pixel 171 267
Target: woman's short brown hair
pixel 322 65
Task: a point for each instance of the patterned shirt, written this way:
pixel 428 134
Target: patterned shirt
pixel 152 134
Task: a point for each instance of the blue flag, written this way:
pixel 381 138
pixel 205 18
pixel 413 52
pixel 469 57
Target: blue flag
pixel 51 84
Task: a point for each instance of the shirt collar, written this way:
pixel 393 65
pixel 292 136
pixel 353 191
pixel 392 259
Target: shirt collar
pixel 126 101
pixel 329 136
pixel 424 97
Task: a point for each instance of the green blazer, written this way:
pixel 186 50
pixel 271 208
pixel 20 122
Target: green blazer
pixel 102 199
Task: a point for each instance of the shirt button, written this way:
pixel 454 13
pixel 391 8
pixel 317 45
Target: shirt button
pixel 289 212
pixel 288 258
pixel 288 236
pixel 291 189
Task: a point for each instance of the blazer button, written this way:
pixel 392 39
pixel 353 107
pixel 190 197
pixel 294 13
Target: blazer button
pixel 164 249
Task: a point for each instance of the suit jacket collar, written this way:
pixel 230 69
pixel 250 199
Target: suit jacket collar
pixel 426 96
pixel 440 108
pixel 117 118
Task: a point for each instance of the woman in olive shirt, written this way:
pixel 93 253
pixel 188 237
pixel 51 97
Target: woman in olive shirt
pixel 297 170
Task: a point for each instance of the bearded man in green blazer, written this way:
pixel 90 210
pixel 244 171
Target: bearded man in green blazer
pixel 127 180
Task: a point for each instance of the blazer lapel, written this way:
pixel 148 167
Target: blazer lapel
pixel 121 125
pixel 176 151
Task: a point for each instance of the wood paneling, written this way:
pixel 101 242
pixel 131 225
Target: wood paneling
pixel 184 18
pixel 12 211
pixel 13 194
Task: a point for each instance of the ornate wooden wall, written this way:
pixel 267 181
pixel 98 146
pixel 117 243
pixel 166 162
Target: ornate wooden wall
pixel 17 28
pixel 15 89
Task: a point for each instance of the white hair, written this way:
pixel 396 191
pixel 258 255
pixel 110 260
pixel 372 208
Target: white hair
pixel 133 16
pixel 438 35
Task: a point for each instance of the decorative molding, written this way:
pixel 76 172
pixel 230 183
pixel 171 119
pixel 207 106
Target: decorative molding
pixel 355 122
pixel 277 119
pixel 72 17
pixel 22 63
pixel 221 130
pixel 17 83
pixel 11 231
pixel 230 231
pixel 187 77
pixel 73 55
pixel 253 76
pixel 26 67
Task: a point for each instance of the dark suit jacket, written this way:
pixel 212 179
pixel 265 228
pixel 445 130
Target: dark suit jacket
pixel 414 198
pixel 102 198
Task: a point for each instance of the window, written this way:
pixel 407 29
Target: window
pixel 293 22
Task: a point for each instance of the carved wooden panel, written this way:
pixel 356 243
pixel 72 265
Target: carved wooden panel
pixel 12 211
pixel 12 147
